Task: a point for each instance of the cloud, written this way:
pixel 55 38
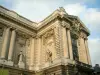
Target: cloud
pixel 39 9
pixel 75 9
pixel 94 47
pixel 36 10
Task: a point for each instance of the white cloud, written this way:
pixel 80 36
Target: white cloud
pixel 74 9
pixel 94 47
pixel 37 10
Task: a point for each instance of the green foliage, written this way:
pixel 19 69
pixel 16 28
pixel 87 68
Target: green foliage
pixel 4 72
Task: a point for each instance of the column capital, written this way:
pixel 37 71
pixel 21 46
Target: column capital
pixel 86 38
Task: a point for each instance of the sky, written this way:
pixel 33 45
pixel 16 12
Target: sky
pixel 87 10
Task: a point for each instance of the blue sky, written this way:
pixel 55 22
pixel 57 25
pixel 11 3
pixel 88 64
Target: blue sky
pixel 87 10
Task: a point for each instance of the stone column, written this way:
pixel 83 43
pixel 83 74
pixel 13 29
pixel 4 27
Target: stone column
pixel 5 43
pixel 82 55
pixel 65 43
pixel 32 55
pixel 11 49
pixel 38 53
pixel 88 54
pixel 69 44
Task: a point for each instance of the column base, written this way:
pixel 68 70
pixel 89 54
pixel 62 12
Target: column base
pixel 21 64
pixel 3 61
pixel 10 63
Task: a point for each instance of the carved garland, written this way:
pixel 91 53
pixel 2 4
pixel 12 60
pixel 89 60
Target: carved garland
pixel 75 29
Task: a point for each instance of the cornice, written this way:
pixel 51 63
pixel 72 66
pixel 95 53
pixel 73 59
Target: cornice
pixel 16 17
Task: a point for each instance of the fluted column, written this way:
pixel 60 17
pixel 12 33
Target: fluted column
pixel 12 43
pixel 5 43
pixel 65 43
pixel 32 54
pixel 69 44
pixel 38 53
pixel 88 54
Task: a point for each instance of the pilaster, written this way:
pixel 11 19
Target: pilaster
pixel 32 54
pixel 69 44
pixel 65 43
pixel 87 50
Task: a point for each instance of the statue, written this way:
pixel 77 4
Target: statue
pixel 49 56
pixel 20 60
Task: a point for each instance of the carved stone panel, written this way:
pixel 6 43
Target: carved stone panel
pixel 49 46
pixel 20 45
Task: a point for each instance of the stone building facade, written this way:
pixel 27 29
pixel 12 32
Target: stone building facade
pixel 55 46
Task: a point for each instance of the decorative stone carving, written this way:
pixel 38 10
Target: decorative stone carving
pixel 20 45
pixel 49 46
pixel 49 56
pixel 47 34
pixel 75 29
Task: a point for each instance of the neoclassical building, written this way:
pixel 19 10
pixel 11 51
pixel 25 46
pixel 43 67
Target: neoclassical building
pixel 55 46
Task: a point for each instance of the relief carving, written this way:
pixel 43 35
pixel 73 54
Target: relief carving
pixel 48 43
pixel 75 29
pixel 48 56
pixel 20 47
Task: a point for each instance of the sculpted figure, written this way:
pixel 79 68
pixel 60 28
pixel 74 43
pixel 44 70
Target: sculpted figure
pixel 49 56
pixel 20 60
